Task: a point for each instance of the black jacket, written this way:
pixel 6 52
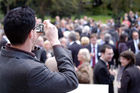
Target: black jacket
pixel 75 49
pixel 40 53
pixel 130 82
pixel 20 72
pixel 138 59
pixel 131 45
pixel 102 75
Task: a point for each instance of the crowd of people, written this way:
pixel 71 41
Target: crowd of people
pixel 96 48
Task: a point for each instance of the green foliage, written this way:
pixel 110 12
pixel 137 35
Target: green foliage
pixel 64 7
pixel 102 18
pixel 1 16
pixel 73 7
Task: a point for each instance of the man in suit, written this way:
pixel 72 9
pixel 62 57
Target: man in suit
pixel 133 44
pixel 74 47
pixel 102 74
pixel 94 49
pixel 20 71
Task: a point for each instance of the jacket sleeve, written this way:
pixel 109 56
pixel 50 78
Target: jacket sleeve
pixel 42 80
pixel 124 82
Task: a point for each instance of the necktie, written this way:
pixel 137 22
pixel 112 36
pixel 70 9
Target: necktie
pixel 93 60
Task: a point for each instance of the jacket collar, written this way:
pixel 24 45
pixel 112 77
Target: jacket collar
pixel 103 62
pixel 13 52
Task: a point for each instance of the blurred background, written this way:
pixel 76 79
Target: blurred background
pixel 97 9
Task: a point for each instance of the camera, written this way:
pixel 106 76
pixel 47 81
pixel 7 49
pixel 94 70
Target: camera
pixel 39 28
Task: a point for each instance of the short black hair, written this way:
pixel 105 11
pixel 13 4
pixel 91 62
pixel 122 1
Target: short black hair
pixel 103 48
pixel 18 23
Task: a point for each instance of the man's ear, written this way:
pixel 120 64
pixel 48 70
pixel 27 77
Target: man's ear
pixel 30 34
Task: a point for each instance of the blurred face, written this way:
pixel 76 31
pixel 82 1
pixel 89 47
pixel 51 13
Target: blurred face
pixel 57 18
pixel 80 57
pixel 135 35
pixel 107 56
pixel 124 61
pixel 47 45
pixel 64 42
pixel 93 40
pixel 102 36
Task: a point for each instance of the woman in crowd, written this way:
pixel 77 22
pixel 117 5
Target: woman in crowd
pixel 130 82
pixel 122 46
pixel 84 70
pixel 84 41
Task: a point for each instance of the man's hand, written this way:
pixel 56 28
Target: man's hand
pixel 112 72
pixel 51 33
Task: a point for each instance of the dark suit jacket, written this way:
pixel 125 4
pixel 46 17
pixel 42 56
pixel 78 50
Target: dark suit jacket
pixel 130 82
pixel 40 54
pixel 130 45
pixel 138 59
pixel 2 43
pixel 122 47
pixel 75 49
pixel 20 72
pixel 102 75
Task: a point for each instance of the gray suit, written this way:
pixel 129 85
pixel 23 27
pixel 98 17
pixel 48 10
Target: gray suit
pixel 20 72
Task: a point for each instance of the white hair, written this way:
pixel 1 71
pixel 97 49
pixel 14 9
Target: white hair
pixel 85 53
pixel 86 29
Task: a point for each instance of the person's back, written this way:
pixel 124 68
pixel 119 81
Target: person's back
pixel 20 71
pixel 74 47
pixel 122 47
pixel 14 70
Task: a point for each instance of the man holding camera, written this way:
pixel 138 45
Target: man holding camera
pixel 20 71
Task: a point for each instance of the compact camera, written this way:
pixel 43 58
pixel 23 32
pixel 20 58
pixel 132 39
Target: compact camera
pixel 39 28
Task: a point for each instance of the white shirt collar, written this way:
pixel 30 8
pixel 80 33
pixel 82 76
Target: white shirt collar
pixel 104 61
pixel 94 45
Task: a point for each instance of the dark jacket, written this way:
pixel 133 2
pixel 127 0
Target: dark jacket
pixel 75 49
pixel 40 53
pixel 131 45
pixel 2 43
pixel 122 47
pixel 138 59
pixel 130 82
pixel 102 75
pixel 20 72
